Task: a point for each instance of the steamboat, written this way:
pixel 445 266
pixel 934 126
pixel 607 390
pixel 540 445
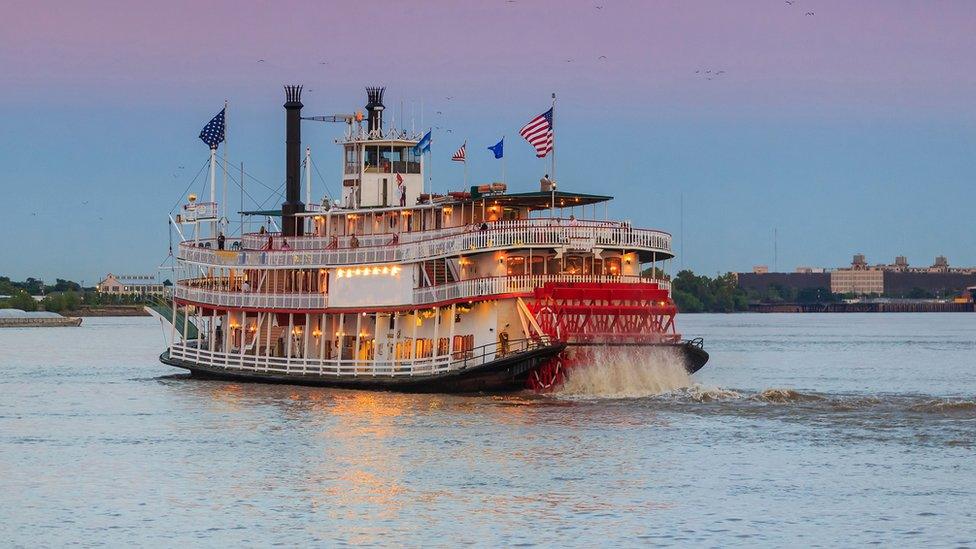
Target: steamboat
pixel 390 286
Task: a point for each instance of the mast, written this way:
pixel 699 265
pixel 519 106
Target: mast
pixel 308 175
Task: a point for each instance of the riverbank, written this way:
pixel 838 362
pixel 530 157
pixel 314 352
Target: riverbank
pixel 900 306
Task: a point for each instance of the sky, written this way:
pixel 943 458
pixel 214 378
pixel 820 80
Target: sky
pixel 841 127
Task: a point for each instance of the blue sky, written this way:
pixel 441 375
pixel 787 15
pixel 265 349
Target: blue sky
pixel 852 130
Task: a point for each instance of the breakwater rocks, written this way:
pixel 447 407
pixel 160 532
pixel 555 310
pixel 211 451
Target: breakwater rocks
pixel 39 322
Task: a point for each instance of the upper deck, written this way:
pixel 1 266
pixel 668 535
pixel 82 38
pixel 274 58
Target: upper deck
pixel 342 250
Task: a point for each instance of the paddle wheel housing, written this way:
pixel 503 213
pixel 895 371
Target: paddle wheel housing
pixel 586 315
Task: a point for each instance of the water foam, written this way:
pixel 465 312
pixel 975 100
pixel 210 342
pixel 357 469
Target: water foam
pixel 626 372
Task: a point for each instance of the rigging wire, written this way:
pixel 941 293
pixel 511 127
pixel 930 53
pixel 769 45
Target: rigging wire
pixel 188 187
pixel 332 197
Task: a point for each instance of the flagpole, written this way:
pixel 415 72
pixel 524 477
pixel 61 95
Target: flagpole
pixel 554 136
pixel 242 200
pixel 465 147
pixel 213 188
pixel 223 200
pixel 503 159
pixel 552 127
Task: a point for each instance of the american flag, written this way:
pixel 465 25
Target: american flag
pixel 461 154
pixel 213 133
pixel 538 132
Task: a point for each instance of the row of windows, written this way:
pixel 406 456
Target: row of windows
pixel 382 159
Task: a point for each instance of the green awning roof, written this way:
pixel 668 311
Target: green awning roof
pixel 264 213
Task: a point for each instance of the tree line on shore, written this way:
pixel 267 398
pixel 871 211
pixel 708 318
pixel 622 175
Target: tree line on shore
pixel 63 295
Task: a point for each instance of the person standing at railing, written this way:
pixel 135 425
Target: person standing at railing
pixel 503 341
pixel 245 287
pixel 220 241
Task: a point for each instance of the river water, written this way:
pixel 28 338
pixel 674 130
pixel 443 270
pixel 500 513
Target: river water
pixel 803 429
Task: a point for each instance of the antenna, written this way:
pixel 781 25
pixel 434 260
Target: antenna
pixel 775 249
pixel 681 228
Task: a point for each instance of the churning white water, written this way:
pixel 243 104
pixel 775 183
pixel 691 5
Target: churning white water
pixel 626 372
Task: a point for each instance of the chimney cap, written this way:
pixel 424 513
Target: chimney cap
pixel 293 93
pixel 375 96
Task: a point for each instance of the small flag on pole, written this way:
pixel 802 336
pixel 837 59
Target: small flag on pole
pixel 538 132
pixel 461 154
pixel 498 149
pixel 423 145
pixel 399 179
pixel 213 133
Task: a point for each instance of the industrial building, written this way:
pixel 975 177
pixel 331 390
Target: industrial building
pixel 860 278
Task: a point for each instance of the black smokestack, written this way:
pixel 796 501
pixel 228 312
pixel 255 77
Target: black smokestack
pixel 292 226
pixel 374 108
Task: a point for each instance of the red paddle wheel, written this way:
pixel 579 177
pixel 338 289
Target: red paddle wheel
pixel 587 315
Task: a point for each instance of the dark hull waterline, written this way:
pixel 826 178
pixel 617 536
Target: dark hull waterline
pixel 505 374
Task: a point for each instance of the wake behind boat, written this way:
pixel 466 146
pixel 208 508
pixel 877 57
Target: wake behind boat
pixel 390 286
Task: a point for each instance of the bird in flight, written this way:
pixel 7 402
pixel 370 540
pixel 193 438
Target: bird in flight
pixel 603 57
pixel 809 13
pixel 260 60
pixel 598 7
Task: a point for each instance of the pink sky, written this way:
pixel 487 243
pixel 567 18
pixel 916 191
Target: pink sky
pixel 917 54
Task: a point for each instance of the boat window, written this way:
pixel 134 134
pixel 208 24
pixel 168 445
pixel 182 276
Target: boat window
pixel 390 160
pixel 516 265
pixel 412 160
pixel 574 264
pixel 554 265
pixel 538 265
pixel 593 266
pixel 352 159
pixel 612 266
pixel 373 160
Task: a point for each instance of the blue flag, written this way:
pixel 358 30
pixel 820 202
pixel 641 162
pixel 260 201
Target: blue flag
pixel 213 133
pixel 498 149
pixel 423 145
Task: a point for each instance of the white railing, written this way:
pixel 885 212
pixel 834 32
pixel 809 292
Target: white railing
pixel 475 287
pixel 521 284
pixel 248 299
pixel 235 360
pixel 517 235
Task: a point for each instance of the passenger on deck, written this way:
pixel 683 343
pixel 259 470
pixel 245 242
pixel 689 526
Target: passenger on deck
pixel 484 226
pixel 353 242
pixel 220 241
pixel 270 244
pixel 284 245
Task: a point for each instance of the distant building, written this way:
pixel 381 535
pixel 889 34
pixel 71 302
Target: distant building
pixel 795 281
pixel 129 285
pixel 896 279
pixel 857 281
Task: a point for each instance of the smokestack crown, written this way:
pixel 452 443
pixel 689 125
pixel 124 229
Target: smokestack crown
pixel 293 95
pixel 374 107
